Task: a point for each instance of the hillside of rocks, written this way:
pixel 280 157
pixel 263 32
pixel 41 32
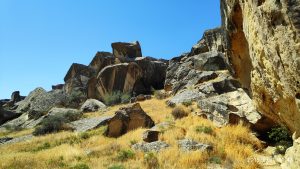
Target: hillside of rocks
pixel 238 85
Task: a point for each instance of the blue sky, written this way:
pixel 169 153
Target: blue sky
pixel 39 40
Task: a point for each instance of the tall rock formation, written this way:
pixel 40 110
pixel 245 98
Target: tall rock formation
pixel 262 45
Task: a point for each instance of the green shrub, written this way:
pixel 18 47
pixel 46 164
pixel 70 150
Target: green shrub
pixel 116 97
pixel 151 161
pixel 124 155
pixel 75 98
pixel 116 167
pixel 132 142
pixel 215 160
pixel 281 137
pixel 204 129
pixel 179 113
pixel 125 98
pixel 160 95
pixel 56 123
pixel 80 166
pixel 187 103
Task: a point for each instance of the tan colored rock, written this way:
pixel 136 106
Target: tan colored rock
pixel 124 50
pixel 127 119
pixel 263 47
pixel 292 156
pixel 119 77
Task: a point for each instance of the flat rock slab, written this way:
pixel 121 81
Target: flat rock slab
pixel 190 145
pixel 17 139
pixel 150 147
pixel 89 123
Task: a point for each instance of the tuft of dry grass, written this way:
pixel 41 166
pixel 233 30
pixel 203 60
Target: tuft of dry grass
pixel 232 146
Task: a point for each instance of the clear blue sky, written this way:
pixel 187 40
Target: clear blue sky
pixel 40 39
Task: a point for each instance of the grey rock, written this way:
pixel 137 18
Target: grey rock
pixel 55 111
pixel 218 108
pixel 86 124
pixel 18 139
pixel 150 147
pixel 186 96
pixel 163 126
pixel 190 145
pixel 292 156
pixel 25 104
pixel 7 115
pixel 92 105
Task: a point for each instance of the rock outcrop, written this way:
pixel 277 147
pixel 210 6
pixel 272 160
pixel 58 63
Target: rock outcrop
pixel 124 50
pixel 126 119
pixel 262 44
pixel 77 78
pixel 119 77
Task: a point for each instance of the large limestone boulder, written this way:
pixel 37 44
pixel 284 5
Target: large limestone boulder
pixel 262 42
pixel 119 77
pixel 77 77
pixel 7 115
pixel 212 40
pixel 154 74
pixel 123 50
pixel 101 60
pixel 126 119
pixel 25 104
pixel 191 70
pixel 92 105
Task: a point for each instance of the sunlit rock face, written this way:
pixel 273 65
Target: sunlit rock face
pixel 262 45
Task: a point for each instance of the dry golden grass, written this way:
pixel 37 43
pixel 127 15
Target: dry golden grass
pixel 233 145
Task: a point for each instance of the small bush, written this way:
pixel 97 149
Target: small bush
pixel 282 139
pixel 151 161
pixel 116 167
pixel 75 98
pixel 124 155
pixel 187 103
pixel 179 113
pixel 132 142
pixel 125 98
pixel 116 97
pixel 80 166
pixel 56 123
pixel 204 129
pixel 160 95
pixel 215 160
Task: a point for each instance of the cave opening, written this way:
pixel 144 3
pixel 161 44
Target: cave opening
pixel 240 57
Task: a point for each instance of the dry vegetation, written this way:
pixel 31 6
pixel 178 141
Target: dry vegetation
pixel 233 146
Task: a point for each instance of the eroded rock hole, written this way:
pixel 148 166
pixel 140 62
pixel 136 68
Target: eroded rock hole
pixel 240 57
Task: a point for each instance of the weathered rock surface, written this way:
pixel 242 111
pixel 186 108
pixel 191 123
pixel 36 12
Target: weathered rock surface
pixel 119 77
pixel 77 78
pixel 130 50
pixel 7 115
pixel 25 104
pixel 101 60
pixel 212 40
pixel 86 124
pixel 292 156
pixel 190 145
pixel 186 96
pixel 262 42
pixel 126 119
pixel 92 105
pixel 55 111
pixel 187 70
pixel 16 139
pixel 150 147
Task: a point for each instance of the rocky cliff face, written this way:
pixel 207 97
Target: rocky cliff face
pixel 262 42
